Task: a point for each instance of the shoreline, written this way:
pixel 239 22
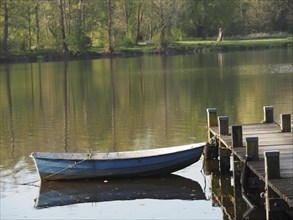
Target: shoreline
pixel 179 47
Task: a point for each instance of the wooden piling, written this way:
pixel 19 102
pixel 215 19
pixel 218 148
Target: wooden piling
pixel 252 148
pixel 223 151
pixel 268 114
pixel 237 169
pixel 212 117
pixel 272 164
pixel 212 120
pixel 237 140
pixel 224 154
pixel 285 122
pixel 223 125
pixel 272 171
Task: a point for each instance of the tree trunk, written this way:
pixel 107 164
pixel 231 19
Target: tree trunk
pixel 5 30
pixel 220 35
pixel 162 29
pixel 109 49
pixel 138 21
pixel 29 28
pixel 62 29
pixel 126 18
pixel 37 23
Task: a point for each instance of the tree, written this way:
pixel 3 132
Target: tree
pixel 62 28
pixel 127 8
pixel 259 16
pixel 203 18
pixel 37 23
pixel 282 15
pixel 5 29
pixel 166 10
pixel 110 6
pixel 78 41
pixel 139 17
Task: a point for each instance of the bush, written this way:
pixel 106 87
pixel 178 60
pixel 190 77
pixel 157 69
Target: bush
pixel 78 41
pixel 128 43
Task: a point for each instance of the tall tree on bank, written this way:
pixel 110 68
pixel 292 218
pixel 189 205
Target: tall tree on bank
pixel 5 30
pixel 127 8
pixel 37 23
pixel 139 17
pixel 166 9
pixel 77 40
pixel 110 49
pixel 29 25
pixel 62 28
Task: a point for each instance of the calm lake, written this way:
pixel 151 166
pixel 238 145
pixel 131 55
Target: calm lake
pixel 120 104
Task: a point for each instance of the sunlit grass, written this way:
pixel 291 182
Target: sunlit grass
pixel 210 44
pixel 235 42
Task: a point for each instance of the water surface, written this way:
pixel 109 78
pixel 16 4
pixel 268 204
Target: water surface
pixel 129 104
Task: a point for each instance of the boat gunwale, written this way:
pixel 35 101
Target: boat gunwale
pixel 116 155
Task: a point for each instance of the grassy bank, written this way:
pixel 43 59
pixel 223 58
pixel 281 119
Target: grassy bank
pixel 226 45
pixel 179 47
pixel 235 44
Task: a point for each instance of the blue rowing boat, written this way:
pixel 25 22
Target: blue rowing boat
pixel 61 166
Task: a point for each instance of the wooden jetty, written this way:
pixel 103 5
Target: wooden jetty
pixel 262 159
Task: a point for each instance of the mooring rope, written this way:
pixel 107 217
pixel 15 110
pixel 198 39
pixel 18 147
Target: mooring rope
pixel 30 183
pixel 66 168
pixel 53 174
pixel 59 171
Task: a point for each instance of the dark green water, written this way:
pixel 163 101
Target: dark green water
pixel 129 104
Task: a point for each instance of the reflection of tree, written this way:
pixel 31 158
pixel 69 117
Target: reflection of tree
pixel 112 81
pixel 41 106
pixel 40 92
pixel 9 98
pixel 65 106
pixel 164 72
pixel 32 85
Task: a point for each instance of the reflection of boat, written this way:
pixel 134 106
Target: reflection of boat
pixel 56 166
pixel 59 193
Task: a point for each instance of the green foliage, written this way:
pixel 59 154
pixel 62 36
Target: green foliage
pixel 35 24
pixel 78 41
pixel 128 42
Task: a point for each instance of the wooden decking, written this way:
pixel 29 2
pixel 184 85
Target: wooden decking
pixel 270 138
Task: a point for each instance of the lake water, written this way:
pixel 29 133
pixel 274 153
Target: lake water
pixel 129 104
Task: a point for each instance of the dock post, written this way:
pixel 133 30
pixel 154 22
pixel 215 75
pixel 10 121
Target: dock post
pixel 212 117
pixel 212 120
pixel 237 140
pixel 285 122
pixel 252 148
pixel 268 114
pixel 272 171
pixel 224 159
pixel 223 125
pixel 223 150
pixel 272 164
pixel 211 149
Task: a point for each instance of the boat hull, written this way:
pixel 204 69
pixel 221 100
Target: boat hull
pixel 147 163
